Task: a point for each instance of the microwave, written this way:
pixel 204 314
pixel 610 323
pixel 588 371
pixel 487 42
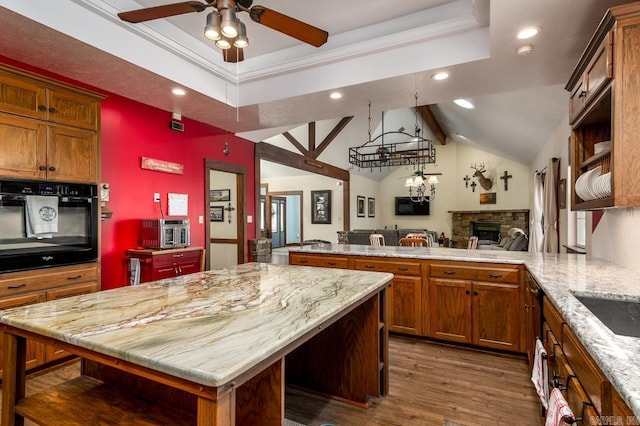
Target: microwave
pixel 164 233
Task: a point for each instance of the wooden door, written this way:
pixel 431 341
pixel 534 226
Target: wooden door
pixel 496 315
pixel 73 109
pixel 278 221
pixel 23 144
pixel 450 310
pixel 72 155
pixel 22 96
pixel 35 350
pixel 404 304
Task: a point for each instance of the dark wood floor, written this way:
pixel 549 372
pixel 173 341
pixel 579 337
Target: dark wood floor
pixel 429 385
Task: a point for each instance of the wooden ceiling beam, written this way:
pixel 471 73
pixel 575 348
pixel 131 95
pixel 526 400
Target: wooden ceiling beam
pixel 331 136
pixel 295 143
pixel 430 119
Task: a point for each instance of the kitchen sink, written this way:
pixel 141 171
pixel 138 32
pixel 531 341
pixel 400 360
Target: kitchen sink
pixel 621 316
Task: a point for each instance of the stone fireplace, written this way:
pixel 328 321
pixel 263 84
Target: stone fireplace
pixel 485 222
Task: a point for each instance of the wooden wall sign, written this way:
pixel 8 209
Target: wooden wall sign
pixel 162 166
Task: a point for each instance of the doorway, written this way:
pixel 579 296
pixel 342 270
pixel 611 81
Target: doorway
pixel 278 221
pixel 225 228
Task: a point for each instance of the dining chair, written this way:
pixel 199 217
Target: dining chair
pixel 415 235
pixel 376 240
pixel 473 243
pixel 413 242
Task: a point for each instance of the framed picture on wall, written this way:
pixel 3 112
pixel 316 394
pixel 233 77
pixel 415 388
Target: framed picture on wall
pixel 219 195
pixel 216 213
pixel 360 206
pixel 321 207
pixel 371 207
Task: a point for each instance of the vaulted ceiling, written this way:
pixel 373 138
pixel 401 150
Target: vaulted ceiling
pixel 378 52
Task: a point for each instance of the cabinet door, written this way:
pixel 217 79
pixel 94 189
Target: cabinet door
pixel 404 304
pixel 52 352
pixel 23 144
pixel 22 96
pixel 35 351
pixel 496 315
pixel 71 155
pixel 532 318
pixel 73 109
pixel 450 310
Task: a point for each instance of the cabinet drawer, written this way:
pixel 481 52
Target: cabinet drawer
pixel 493 273
pixel 170 259
pixel 321 261
pixel 28 281
pixel 593 381
pixel 74 290
pixel 393 266
pixel 553 318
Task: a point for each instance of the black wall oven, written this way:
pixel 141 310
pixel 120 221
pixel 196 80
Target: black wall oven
pixel 72 207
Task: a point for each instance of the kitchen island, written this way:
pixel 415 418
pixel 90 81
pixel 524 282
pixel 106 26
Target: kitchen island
pixel 206 348
pixel 561 277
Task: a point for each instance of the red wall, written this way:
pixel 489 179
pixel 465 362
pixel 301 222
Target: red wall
pixel 131 130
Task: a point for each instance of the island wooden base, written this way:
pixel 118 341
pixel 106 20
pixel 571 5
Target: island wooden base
pixel 346 357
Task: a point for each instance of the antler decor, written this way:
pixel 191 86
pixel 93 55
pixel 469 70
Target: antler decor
pixel 485 183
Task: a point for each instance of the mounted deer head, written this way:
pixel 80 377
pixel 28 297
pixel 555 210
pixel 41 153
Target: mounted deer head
pixel 485 183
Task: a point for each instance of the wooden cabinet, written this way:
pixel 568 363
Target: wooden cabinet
pixel 532 316
pixel 47 130
pixel 28 287
pixel 605 98
pixel 571 368
pixel 160 264
pixel 478 304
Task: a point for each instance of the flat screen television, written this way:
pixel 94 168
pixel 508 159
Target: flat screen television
pixel 406 207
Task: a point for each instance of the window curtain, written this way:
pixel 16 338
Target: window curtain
pixel 535 227
pixel 550 241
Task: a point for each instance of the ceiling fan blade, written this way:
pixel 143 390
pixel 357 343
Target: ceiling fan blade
pixel 156 12
pixel 289 26
pixel 233 54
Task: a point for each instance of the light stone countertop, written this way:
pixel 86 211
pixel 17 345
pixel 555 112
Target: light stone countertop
pixel 209 327
pixel 559 276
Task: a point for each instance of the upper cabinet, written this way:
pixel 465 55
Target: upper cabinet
pixel 48 130
pixel 604 103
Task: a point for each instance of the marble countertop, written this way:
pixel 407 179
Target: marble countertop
pixel 208 327
pixel 560 276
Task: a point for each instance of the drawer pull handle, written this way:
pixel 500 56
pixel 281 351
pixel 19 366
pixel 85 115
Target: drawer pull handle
pixel 534 291
pixel 42 108
pixel 178 255
pixel 495 275
pixel 449 272
pixel 75 277
pixel 402 268
pixel 304 261
pixel 369 266
pixel 15 287
pixel 582 94
pixel 332 263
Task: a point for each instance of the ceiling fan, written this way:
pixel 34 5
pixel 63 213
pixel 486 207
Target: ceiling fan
pixel 226 29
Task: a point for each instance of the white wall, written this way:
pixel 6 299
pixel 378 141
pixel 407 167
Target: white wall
pixel 367 188
pixel 453 161
pixel 308 183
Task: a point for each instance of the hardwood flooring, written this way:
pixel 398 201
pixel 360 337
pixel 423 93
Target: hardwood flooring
pixel 429 385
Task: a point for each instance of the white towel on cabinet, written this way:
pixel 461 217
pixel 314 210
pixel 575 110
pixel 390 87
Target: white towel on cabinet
pixel 558 409
pixel 41 214
pixel 540 375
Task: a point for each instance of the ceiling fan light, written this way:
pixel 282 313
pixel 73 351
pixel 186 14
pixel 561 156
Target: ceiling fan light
pixel 229 26
pixel 241 40
pixel 212 29
pixel 409 182
pixel 223 43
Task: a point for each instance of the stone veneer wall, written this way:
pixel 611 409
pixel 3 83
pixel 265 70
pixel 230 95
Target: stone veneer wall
pixel 508 218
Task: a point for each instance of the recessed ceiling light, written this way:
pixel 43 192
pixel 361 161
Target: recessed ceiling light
pixel 464 103
pixel 440 75
pixel 335 95
pixel 524 50
pixel 528 32
pixel 179 92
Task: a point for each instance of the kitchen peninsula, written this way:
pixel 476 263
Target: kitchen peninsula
pixel 605 366
pixel 206 348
